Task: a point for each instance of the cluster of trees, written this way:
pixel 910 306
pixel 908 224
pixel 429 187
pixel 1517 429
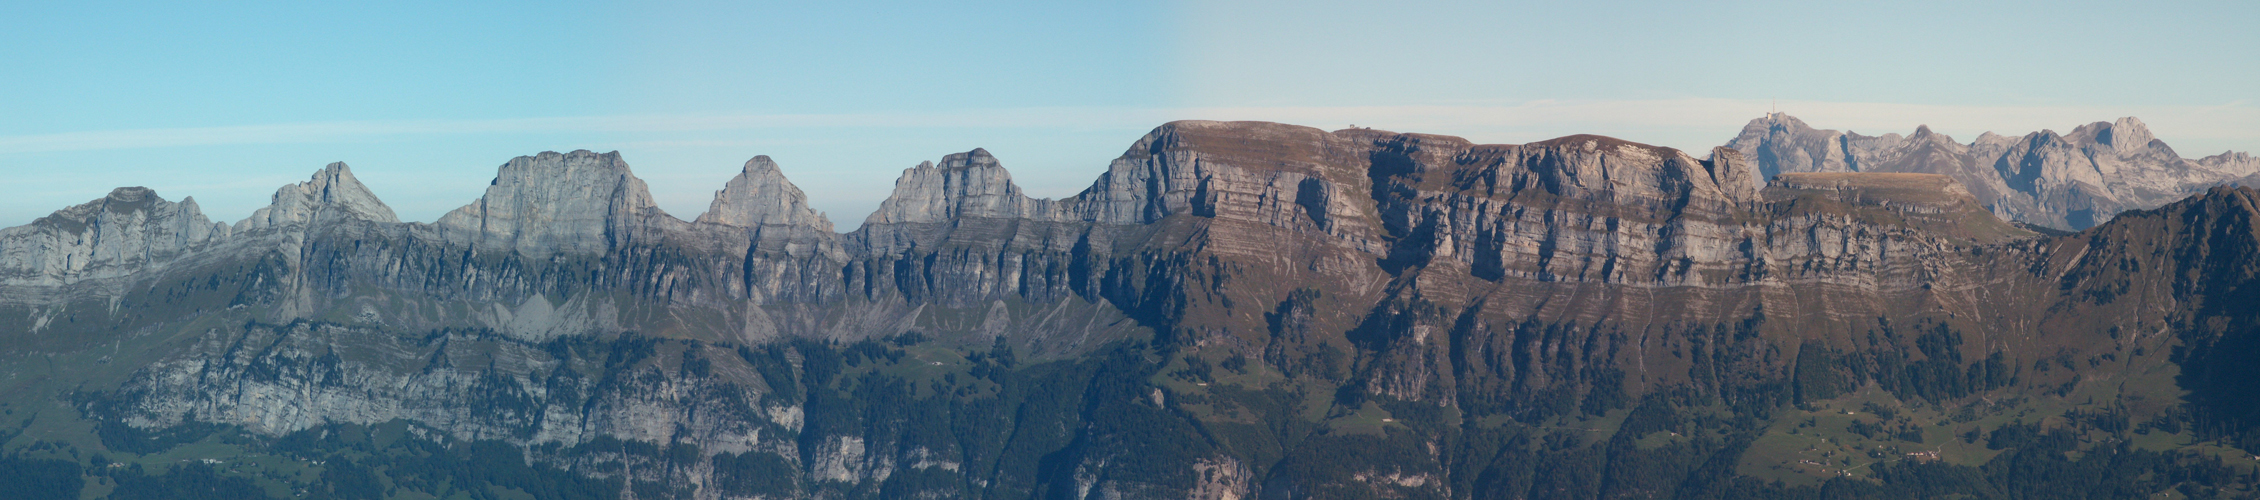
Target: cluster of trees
pixel 1939 374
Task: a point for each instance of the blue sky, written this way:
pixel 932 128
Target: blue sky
pixel 425 99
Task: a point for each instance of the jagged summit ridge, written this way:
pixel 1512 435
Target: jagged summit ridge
pixel 580 202
pixel 2073 180
pixel 331 192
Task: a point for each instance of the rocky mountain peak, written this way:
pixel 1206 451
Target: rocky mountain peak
pixel 331 192
pixel 760 195
pixel 977 158
pixel 1779 143
pixel 2070 180
pixel 2125 136
pixel 123 201
pixel 969 184
pixel 2129 134
pixel 1924 136
pixel 131 194
pixel 124 231
pixel 578 202
pixel 1777 123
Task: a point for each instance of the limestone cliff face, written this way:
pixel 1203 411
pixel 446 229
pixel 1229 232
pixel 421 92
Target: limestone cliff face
pixel 2074 180
pixel 1579 208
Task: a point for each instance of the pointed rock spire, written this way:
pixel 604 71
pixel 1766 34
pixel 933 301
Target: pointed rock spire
pixel 760 195
pixel 579 202
pixel 331 192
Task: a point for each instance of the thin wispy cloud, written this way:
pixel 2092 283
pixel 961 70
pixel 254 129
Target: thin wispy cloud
pixel 1684 123
pixel 1698 124
pixel 1678 123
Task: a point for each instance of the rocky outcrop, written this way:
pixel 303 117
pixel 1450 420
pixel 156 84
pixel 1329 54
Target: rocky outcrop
pixel 2074 180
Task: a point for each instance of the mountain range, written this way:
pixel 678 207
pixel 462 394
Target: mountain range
pixel 1232 310
pixel 2066 181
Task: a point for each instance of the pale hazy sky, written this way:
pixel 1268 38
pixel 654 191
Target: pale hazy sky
pixel 425 99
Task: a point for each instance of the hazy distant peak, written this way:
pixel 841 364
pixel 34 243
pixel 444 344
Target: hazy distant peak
pixel 2073 179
